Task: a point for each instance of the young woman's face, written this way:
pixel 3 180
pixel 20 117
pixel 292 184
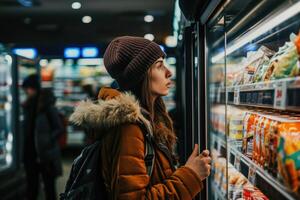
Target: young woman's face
pixel 160 78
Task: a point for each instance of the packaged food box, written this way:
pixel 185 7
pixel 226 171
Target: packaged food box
pixel 236 125
pixel 253 63
pixel 257 139
pixel 289 153
pixel 248 132
pixel 273 144
pixel 251 192
pixel 265 142
pixel 284 63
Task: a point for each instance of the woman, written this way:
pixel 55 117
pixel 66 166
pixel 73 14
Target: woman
pixel 137 66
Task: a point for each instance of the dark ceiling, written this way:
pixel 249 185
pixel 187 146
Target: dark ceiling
pixel 54 22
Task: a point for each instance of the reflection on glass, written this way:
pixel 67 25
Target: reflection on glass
pixel 6 137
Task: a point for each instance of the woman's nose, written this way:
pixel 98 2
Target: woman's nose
pixel 168 73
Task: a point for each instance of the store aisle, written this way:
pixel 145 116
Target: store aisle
pixel 61 181
pixel 68 157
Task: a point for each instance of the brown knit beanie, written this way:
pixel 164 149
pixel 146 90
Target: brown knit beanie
pixel 128 58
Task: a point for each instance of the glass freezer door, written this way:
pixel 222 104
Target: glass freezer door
pixel 253 66
pixel 217 112
pixel 7 135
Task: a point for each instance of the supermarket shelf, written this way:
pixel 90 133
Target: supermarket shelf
pixel 269 185
pixel 261 174
pixel 270 85
pixel 280 94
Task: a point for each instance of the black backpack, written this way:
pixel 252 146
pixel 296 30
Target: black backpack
pixel 85 181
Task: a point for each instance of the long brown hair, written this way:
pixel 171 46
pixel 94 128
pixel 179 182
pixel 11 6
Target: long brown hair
pixel 162 123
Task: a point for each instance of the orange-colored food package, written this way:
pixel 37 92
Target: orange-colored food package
pixel 257 139
pixel 251 192
pixel 289 153
pixel 273 144
pixel 297 43
pixel 265 141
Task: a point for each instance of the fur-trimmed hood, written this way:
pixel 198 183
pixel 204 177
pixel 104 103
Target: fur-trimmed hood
pixel 110 110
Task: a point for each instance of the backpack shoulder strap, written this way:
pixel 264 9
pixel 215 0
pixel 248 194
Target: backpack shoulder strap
pixel 149 149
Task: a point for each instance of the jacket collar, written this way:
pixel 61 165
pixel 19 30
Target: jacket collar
pixel 112 109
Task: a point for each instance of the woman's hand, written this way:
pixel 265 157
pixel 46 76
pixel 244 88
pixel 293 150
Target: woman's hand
pixel 199 163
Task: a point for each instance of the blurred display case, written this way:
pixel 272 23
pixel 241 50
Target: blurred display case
pixel 12 174
pixel 74 80
pixel 7 133
pixel 253 64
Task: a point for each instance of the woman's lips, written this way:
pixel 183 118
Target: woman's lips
pixel 169 85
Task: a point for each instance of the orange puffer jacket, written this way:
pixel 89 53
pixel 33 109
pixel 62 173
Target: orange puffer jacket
pixel 114 118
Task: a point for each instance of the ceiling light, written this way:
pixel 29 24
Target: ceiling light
pixel 89 52
pixel 30 53
pixel 76 5
pixel 148 18
pixel 171 41
pixel 149 36
pixel 87 19
pixel 72 52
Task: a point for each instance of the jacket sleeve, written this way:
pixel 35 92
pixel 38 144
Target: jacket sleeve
pixel 56 124
pixel 133 181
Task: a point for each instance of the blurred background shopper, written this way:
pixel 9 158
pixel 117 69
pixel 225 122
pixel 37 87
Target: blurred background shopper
pixel 42 128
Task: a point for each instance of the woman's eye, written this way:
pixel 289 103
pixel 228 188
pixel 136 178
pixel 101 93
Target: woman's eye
pixel 160 65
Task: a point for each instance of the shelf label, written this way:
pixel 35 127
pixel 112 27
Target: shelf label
pixel 236 99
pixel 252 174
pixel 237 162
pixel 280 95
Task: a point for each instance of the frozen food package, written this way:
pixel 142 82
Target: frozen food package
pixel 217 73
pixel 248 190
pixel 218 119
pixel 238 78
pixel 254 62
pixel 285 63
pixel 289 153
pixel 236 123
pixel 219 167
pixel 248 132
pixel 233 67
pixel 251 192
pixel 272 149
pixel 257 140
pixel 261 70
pixel 265 140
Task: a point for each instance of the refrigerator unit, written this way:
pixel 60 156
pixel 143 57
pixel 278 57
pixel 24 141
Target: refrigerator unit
pixel 12 176
pixel 240 95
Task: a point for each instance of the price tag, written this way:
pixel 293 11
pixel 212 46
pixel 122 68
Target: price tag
pixel 252 174
pixel 236 99
pixel 280 95
pixel 237 162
